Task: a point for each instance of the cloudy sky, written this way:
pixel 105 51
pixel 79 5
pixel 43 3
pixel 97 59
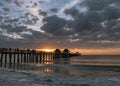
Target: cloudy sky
pixel 86 25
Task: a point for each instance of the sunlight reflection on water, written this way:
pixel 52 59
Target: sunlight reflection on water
pixel 73 66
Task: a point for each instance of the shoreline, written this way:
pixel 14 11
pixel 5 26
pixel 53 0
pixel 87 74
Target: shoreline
pixel 11 77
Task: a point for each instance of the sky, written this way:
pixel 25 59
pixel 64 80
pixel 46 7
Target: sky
pixel 86 26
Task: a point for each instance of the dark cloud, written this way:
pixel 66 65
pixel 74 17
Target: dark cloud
pixel 6 9
pixel 73 12
pixel 84 22
pixel 99 25
pixel 42 13
pixel 35 4
pixel 30 19
pixel 11 28
pixel 95 16
pixel 55 26
pixel 17 3
pixel 32 40
pixel 35 36
pixel 111 12
pixel 40 1
pixel 55 10
pixel 91 23
pixel 1 4
pixel 2 38
pixel 9 1
pixel 95 4
pixel 36 40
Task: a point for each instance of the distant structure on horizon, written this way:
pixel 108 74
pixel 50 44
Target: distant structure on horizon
pixel 65 53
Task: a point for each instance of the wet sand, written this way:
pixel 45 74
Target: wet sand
pixel 11 77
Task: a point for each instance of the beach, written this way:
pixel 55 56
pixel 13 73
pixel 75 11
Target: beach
pixel 62 72
pixel 11 77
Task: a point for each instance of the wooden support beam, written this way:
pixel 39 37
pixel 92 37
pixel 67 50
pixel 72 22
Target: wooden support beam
pixel 18 58
pixel 14 57
pixel 24 57
pixel 5 58
pixel 10 57
pixel 1 59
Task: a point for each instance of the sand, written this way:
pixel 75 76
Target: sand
pixel 11 77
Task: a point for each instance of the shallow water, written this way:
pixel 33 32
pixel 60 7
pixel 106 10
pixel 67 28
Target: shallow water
pixel 97 60
pixel 84 66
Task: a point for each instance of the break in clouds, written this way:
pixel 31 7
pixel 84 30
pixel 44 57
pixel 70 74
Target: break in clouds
pixel 60 23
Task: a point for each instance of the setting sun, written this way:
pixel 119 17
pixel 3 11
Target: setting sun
pixel 47 50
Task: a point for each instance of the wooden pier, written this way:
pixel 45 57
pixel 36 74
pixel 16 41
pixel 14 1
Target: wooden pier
pixel 24 56
pixel 9 55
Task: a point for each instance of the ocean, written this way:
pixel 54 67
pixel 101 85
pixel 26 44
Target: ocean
pixel 81 66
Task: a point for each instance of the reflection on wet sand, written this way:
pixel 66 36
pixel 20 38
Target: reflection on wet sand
pixel 45 66
pixel 62 66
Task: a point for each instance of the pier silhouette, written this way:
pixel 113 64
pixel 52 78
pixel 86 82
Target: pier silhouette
pixel 23 56
pixel 9 55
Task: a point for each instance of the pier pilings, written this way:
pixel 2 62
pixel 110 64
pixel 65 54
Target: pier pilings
pixel 24 57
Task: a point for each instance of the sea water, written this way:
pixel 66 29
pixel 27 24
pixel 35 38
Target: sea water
pixel 81 66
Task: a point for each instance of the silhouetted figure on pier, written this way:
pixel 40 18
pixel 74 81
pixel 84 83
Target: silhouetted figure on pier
pixel 66 53
pixel 57 53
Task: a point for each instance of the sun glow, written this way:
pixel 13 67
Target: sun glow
pixel 47 50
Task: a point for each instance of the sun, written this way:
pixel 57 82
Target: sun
pixel 48 50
